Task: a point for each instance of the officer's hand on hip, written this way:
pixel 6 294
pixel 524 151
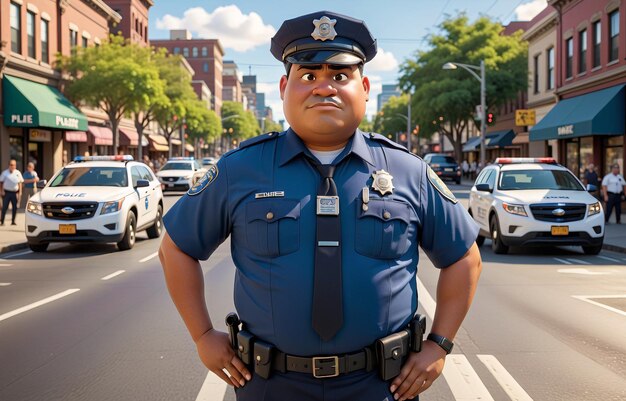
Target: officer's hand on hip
pixel 217 355
pixel 419 371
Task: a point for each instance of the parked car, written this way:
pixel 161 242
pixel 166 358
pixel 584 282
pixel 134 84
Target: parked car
pixel 209 161
pixel 180 173
pixel 526 201
pixel 96 199
pixel 444 166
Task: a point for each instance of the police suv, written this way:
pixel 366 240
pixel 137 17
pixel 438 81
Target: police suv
pixel 180 173
pixel 535 201
pixel 96 199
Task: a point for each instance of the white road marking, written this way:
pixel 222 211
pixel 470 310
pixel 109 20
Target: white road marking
pixel 504 378
pixel 117 273
pixel 4 284
pixel 463 380
pixel 582 270
pixel 147 258
pixel 18 254
pixel 563 261
pixel 608 258
pixel 212 389
pixel 5 264
pixel 586 298
pixel 38 303
pixel 582 262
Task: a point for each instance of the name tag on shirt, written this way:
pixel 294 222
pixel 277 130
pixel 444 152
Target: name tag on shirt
pixel 327 205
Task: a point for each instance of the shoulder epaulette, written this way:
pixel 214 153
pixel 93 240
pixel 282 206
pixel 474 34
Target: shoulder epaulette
pixel 253 141
pixel 389 142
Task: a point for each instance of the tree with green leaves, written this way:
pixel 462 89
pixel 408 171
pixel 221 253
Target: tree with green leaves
pixel 366 124
pixel 116 77
pixel 392 117
pixel 271 126
pixel 445 101
pixel 239 124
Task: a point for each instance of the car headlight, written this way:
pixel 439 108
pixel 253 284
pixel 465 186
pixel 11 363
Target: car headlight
pixel 594 208
pixel 514 209
pixel 112 206
pixel 34 207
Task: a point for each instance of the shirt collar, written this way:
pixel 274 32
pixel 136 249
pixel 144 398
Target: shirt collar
pixel 293 146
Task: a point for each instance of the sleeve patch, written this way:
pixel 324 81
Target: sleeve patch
pixel 439 185
pixel 205 181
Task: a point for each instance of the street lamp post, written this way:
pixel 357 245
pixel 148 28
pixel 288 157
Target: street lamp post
pixel 408 125
pixel 483 101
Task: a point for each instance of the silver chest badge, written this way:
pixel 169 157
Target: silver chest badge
pixel 382 182
pixel 324 29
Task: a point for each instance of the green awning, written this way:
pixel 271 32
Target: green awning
pixel 30 104
pixel 596 113
pixel 496 139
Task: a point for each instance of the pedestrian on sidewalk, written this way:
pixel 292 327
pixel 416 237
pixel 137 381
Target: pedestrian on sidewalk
pixel 591 178
pixel 30 184
pixel 325 279
pixel 614 187
pixel 11 190
pixel 473 168
pixel 465 167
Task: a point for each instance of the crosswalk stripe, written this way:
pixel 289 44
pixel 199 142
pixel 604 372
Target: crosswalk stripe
pixel 38 303
pixel 212 389
pixel 147 258
pixel 609 258
pixel 463 380
pixel 110 276
pixel 4 284
pixel 5 264
pixel 582 262
pixel 563 261
pixel 504 378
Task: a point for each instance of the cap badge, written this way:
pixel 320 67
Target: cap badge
pixel 324 29
pixel 382 182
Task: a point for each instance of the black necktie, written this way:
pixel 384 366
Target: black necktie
pixel 327 287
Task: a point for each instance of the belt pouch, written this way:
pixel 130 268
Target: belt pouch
pixel 245 341
pixel 391 351
pixel 417 328
pixel 263 358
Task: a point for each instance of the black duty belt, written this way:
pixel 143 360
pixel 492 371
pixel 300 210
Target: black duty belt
pixel 325 366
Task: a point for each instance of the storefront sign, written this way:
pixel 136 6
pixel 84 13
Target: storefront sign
pixel 22 118
pixel 525 117
pixel 67 122
pixel 38 135
pixel 566 130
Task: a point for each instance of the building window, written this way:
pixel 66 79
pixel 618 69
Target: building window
pixel 16 28
pixel 85 42
pixel 536 74
pixel 73 39
pixel 185 52
pixel 205 67
pixel 177 50
pixel 613 35
pixel 597 38
pixel 550 68
pixel 45 51
pixel 145 32
pixel 582 51
pixel 30 34
pixel 194 52
pixel 569 57
pixel 205 52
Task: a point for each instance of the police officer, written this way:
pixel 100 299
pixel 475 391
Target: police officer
pixel 614 187
pixel 325 223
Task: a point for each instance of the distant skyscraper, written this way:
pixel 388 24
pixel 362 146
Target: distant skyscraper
pixel 388 91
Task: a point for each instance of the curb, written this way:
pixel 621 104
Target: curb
pixel 614 248
pixel 13 247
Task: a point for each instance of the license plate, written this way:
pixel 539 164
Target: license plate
pixel 170 185
pixel 449 169
pixel 67 228
pixel 560 230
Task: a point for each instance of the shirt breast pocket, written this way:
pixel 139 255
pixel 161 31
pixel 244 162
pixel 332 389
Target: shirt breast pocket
pixel 382 231
pixel 273 227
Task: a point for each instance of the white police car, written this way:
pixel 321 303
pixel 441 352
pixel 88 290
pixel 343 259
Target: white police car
pixel 180 173
pixel 96 199
pixel 526 201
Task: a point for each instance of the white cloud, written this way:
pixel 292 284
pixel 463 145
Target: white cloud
pixel 235 30
pixel 526 12
pixel 384 61
pixel 267 87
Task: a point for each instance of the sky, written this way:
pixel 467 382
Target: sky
pixel 245 28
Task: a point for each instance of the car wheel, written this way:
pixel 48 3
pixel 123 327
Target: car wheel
pixel 592 249
pixel 496 240
pixel 458 181
pixel 130 235
pixel 155 230
pixel 38 247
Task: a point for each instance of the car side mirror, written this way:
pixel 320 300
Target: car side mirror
pixel 41 184
pixel 142 184
pixel 484 188
pixel 591 188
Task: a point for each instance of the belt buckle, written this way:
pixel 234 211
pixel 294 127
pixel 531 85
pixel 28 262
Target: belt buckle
pixel 323 364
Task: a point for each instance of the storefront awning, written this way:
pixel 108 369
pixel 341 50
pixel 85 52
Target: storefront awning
pixel 128 137
pixel 596 113
pixel 472 144
pixel 189 148
pixel 100 135
pixel 175 142
pixel 158 143
pixel 521 138
pixel 75 136
pixel 497 139
pixel 31 104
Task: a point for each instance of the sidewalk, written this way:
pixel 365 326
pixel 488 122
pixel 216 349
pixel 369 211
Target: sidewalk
pixel 12 238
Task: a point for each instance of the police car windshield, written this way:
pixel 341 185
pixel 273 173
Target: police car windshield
pixel 539 179
pixel 177 166
pixel 91 177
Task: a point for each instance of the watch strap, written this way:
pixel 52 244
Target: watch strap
pixel 441 341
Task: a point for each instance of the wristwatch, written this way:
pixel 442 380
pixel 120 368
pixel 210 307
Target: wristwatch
pixel 441 341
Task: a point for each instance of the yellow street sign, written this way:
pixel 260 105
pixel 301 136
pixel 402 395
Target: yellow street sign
pixel 524 117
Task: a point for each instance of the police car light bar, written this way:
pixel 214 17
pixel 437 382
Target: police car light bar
pixel 181 158
pixel 517 160
pixel 118 158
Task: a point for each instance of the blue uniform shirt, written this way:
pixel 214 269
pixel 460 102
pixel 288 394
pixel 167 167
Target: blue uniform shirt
pixel 273 238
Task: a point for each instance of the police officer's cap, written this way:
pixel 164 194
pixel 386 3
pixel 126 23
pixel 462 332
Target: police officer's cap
pixel 323 37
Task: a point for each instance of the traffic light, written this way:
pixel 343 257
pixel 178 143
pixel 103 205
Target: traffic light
pixel 491 119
